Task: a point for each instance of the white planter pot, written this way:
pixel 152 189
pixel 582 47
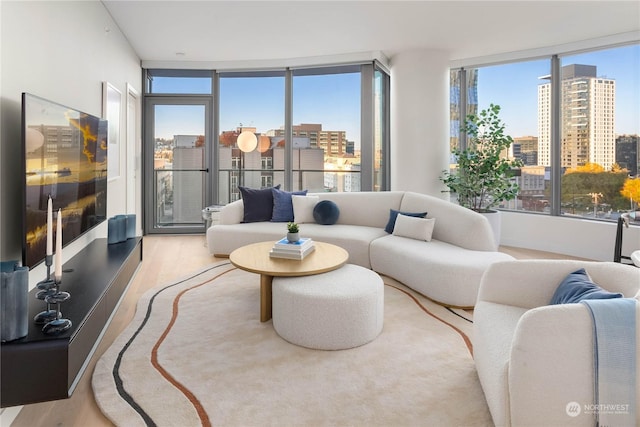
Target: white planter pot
pixel 495 219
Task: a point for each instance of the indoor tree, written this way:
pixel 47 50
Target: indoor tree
pixel 482 179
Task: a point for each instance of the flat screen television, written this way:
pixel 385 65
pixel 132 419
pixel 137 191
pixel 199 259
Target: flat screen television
pixel 65 157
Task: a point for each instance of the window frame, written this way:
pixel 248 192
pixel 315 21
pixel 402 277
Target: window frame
pixel 365 68
pixel 554 56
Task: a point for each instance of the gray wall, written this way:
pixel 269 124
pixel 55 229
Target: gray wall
pixel 61 51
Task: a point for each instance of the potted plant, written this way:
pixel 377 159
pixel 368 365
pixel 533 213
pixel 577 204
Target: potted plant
pixel 482 179
pixel 293 232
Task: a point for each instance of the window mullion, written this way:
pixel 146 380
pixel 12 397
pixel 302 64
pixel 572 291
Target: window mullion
pixel 288 130
pixel 462 107
pixel 366 128
pixel 555 129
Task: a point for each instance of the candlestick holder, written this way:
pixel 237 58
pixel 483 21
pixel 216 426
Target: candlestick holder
pixel 47 288
pixel 58 324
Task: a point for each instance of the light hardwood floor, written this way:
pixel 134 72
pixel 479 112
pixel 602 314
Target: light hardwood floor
pixel 165 258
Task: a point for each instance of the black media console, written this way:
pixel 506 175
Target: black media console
pixel 41 367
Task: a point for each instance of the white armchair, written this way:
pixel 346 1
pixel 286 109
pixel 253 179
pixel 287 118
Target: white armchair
pixel 535 359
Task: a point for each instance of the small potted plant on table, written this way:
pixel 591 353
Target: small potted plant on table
pixel 293 232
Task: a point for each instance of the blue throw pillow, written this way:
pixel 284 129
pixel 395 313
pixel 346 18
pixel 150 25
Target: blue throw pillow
pixel 258 204
pixel 326 212
pixel 282 204
pixel 393 214
pixel 577 286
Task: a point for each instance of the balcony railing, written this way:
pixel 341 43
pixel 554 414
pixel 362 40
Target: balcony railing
pixel 313 180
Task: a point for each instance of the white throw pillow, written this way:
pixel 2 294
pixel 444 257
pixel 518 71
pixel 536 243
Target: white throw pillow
pixel 303 208
pixel 414 228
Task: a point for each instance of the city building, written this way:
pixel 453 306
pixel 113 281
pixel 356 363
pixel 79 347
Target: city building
pixel 627 153
pixel 525 148
pixel 588 112
pixel 333 142
pixel 454 102
pixel 187 178
pixel 265 166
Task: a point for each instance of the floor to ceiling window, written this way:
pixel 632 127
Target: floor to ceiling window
pixel 320 129
pixel 381 166
pixel 250 103
pixel 326 129
pixel 597 113
pixel 600 124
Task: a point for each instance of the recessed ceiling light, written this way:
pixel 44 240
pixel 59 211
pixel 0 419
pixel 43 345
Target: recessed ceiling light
pixel 179 53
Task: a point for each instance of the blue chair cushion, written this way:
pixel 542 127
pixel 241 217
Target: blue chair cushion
pixel 326 212
pixel 577 286
pixel 282 204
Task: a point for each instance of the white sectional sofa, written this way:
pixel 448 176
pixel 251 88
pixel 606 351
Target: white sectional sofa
pixel 446 269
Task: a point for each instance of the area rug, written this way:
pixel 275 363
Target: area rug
pixel 197 354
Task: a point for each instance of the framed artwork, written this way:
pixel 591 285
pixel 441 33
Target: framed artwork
pixel 111 107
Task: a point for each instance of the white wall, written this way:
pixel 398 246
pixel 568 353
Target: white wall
pixel 61 51
pixel 419 120
pixel 569 236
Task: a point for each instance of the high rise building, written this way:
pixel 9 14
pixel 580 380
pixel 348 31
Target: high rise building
pixel 588 112
pixel 628 153
pixel 454 101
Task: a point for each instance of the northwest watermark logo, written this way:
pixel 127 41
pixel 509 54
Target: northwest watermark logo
pixel 573 409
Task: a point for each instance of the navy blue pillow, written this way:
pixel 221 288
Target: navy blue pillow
pixel 326 212
pixel 393 214
pixel 577 286
pixel 258 204
pixel 283 206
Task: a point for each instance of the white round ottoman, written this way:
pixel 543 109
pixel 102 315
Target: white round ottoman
pixel 336 310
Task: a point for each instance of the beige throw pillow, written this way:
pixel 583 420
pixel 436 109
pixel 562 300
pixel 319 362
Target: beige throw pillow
pixel 303 208
pixel 414 228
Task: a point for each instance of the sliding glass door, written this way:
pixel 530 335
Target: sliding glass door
pixel 177 142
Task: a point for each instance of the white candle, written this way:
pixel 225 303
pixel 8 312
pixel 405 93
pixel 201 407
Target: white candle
pixel 58 270
pixel 49 228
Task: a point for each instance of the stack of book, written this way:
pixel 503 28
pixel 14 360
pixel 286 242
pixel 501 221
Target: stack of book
pixel 292 250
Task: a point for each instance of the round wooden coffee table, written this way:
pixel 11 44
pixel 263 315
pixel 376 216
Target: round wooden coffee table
pixel 255 258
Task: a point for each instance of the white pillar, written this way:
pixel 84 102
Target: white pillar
pixel 419 121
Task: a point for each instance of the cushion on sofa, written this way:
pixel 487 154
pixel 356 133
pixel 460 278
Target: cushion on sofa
pixel 393 214
pixel 578 286
pixel 303 208
pixel 258 204
pixel 414 228
pixel 282 204
pixel 326 212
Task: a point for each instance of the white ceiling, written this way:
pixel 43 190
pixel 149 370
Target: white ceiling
pixel 270 30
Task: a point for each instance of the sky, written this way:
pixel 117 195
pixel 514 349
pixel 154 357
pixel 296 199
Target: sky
pixel 514 88
pixel 334 100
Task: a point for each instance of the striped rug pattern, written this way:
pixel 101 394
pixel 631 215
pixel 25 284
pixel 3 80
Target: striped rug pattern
pixel 196 354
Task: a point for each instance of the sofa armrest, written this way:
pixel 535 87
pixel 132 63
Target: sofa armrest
pixel 454 224
pixel 551 366
pixel 232 213
pixel 532 283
